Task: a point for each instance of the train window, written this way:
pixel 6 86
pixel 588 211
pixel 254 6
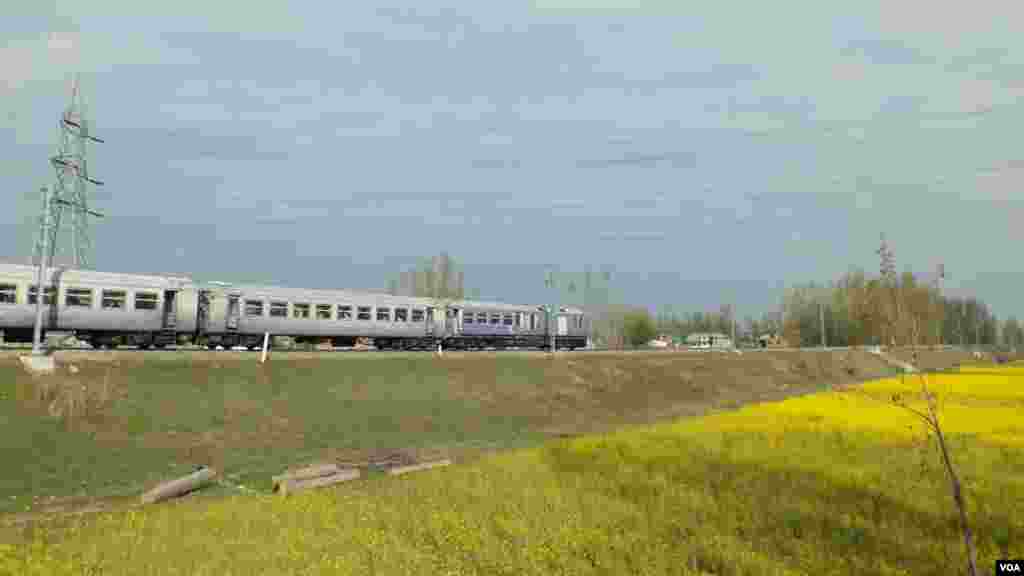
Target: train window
pixel 145 300
pixel 344 312
pixel 278 309
pixel 254 308
pixel 508 320
pixel 495 318
pixel 481 318
pixel 323 311
pixel 8 293
pixel 417 315
pixel 401 314
pixel 467 318
pixel 300 310
pixel 114 299
pixel 81 297
pixel 48 294
pixel 364 313
pixel 383 314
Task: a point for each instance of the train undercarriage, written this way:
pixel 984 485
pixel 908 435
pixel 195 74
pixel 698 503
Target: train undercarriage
pixel 159 340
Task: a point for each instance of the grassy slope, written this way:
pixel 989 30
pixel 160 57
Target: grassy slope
pixel 827 484
pixel 125 423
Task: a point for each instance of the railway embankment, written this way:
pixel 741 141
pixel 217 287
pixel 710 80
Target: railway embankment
pixel 835 482
pixel 111 424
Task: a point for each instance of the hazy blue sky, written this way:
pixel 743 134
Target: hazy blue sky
pixel 708 151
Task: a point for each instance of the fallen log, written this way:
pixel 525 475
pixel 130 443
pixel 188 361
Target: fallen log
pixel 179 487
pixel 306 473
pixel 289 485
pixel 399 470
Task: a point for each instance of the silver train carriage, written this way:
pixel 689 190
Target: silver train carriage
pixel 105 308
pixel 98 307
pixel 231 315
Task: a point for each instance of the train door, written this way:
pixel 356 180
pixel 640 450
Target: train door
pixel 169 321
pixel 451 322
pixel 233 312
pixel 430 321
pixel 203 313
pixel 563 325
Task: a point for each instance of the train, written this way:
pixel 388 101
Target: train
pixel 106 309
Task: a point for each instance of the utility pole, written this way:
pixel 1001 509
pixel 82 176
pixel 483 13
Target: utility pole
pixel 960 323
pixel 732 319
pixel 69 191
pixel 550 282
pixel 43 253
pixel 939 277
pixel 821 316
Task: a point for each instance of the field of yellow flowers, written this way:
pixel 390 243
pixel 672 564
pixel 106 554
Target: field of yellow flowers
pixel 841 482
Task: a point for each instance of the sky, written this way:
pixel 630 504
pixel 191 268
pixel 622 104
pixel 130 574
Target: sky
pixel 708 153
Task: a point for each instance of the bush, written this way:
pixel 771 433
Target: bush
pixel 638 328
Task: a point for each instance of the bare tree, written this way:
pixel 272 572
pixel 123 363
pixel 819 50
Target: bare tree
pixel 929 416
pixel 437 277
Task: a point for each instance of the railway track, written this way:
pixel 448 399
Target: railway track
pixel 240 350
pixel 22 349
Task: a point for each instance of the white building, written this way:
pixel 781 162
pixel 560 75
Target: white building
pixel 709 341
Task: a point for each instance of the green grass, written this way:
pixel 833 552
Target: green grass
pixel 125 421
pixel 813 485
pixel 166 417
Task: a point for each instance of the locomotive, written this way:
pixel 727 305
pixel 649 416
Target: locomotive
pixel 106 309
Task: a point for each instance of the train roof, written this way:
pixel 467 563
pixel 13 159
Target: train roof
pixel 28 272
pixel 313 295
pixel 327 296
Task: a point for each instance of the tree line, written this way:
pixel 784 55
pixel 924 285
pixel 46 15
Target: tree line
pixel 860 309
pixel 889 309
pixel 857 309
pixel 440 277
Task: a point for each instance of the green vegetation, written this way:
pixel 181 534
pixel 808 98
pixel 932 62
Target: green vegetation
pixel 823 484
pixel 118 423
pixel 638 327
pixel 859 309
pixel 165 417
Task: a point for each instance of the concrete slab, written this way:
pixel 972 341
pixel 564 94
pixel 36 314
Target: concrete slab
pixel 417 467
pixel 295 485
pixel 39 364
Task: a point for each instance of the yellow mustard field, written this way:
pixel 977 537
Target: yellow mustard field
pixel 840 483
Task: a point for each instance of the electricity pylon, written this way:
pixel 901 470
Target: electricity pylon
pixel 68 194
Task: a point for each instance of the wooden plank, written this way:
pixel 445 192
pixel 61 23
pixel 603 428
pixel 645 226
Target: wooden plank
pixel 307 473
pixel 179 487
pixel 295 485
pixel 399 470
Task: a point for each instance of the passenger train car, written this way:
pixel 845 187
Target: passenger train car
pixel 106 309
